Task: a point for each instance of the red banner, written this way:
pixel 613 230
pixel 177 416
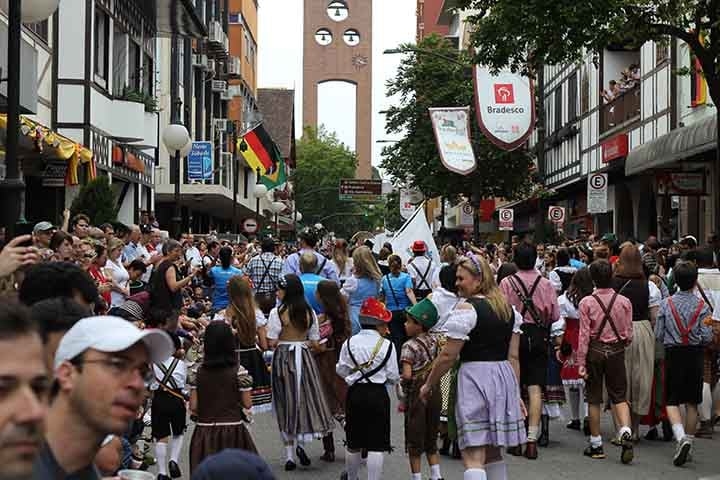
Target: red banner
pixel 487 208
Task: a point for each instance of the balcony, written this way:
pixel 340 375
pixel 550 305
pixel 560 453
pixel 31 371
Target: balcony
pixel 621 111
pixel 217 41
pixel 234 67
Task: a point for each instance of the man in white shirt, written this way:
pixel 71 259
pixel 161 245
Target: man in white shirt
pixel 422 270
pixel 540 259
pixel 192 254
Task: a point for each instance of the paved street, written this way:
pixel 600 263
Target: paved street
pixel 562 460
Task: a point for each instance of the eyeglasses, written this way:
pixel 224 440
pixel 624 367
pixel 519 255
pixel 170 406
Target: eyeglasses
pixel 122 367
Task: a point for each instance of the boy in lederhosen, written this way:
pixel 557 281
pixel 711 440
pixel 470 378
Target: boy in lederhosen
pixel 682 329
pixel 368 364
pixel 168 415
pixel 605 331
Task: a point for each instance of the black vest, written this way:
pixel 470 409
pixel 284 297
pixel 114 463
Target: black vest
pixel 565 279
pixel 490 339
pixel 637 292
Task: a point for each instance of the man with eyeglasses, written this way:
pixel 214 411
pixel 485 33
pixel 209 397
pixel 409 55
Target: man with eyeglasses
pixel 101 373
pixel 24 383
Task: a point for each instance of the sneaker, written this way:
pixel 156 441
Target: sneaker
pixel 682 452
pixel 596 453
pixel 174 469
pixel 573 425
pixel 705 430
pixel 290 466
pixel 626 443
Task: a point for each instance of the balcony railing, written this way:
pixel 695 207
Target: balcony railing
pixel 621 110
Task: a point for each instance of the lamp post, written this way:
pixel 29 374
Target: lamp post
pixel 30 12
pixel 176 139
pixel 277 207
pixel 259 191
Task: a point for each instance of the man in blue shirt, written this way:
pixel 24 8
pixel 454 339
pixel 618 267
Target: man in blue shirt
pixel 310 280
pixel 307 240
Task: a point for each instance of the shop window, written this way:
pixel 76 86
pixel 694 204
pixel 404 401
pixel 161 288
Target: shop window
pixel 101 46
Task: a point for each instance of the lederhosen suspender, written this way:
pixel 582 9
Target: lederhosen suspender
pixel 423 276
pixel 526 298
pixel 367 375
pixel 392 290
pixel 168 383
pixel 607 317
pixel 266 272
pixel 683 330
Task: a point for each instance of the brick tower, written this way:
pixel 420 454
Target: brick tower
pixel 337 46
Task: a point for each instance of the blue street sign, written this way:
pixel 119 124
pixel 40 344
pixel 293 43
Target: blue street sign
pixel 200 161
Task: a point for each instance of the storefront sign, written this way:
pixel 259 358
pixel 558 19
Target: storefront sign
pixel 616 147
pixel 409 200
pixel 54 174
pixel 681 183
pixel 556 215
pixel 505 107
pixel 507 217
pixel 597 193
pixel 200 161
pixel 452 134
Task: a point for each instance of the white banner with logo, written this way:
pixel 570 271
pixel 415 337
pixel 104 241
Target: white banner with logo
pixel 409 200
pixel 452 134
pixel 416 228
pixel 505 105
pixel 597 193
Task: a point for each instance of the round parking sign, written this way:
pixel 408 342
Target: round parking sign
pixel 598 181
pixel 250 225
pixel 467 209
pixel 556 214
pixel 506 215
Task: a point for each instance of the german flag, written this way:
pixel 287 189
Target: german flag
pixel 260 151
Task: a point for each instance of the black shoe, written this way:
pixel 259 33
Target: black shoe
pixel 445 448
pixel 174 469
pixel 302 456
pixel 652 434
pixel 162 477
pixel 596 453
pixel 328 457
pixel 544 438
pixel 586 426
pixel 627 454
pixel 668 435
pixel 290 466
pixel 682 452
pixel 573 425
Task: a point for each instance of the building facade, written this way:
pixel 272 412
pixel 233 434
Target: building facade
pixel 428 19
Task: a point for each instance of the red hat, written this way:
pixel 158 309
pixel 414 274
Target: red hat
pixel 419 246
pixel 373 312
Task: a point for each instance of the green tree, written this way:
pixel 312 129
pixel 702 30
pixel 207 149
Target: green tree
pixel 393 220
pixel 322 160
pixel 425 80
pixel 96 200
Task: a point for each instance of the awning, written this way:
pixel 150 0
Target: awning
pixel 679 144
pixel 178 17
pixel 38 141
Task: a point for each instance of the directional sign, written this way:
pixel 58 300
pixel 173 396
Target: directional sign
pixel 597 191
pixel 556 215
pixel 506 217
pixel 200 161
pixel 352 190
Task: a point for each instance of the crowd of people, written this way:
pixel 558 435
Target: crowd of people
pixel 115 339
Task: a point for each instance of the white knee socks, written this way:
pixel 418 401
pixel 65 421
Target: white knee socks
pixel 374 465
pixel 496 470
pixel 176 444
pixel 161 456
pixel 475 474
pixel 435 472
pixel 352 464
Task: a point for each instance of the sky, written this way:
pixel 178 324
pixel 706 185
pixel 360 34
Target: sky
pixel 280 63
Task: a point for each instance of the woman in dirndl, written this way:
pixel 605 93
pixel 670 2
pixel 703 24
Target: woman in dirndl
pixel 580 287
pixel 249 325
pixel 220 393
pixel 485 333
pixel 298 398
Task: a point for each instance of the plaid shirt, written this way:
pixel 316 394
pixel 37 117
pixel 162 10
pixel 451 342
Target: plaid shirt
pixel 265 283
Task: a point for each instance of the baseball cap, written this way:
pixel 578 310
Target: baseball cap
pixel 43 227
pixel 111 334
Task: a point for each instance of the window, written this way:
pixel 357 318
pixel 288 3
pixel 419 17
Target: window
pixel 661 51
pixel 135 67
pixel 148 75
pixel 119 61
pixel 584 91
pixel 40 29
pixel 558 109
pixel 572 97
pixel 102 44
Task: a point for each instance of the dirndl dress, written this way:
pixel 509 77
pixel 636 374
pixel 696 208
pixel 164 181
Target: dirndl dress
pixel 334 387
pixel 252 359
pixel 298 398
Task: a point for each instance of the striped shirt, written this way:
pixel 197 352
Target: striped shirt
pixel 686 304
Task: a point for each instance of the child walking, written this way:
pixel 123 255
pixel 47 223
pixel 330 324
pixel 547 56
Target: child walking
pixel 422 420
pixel 368 364
pixel 682 329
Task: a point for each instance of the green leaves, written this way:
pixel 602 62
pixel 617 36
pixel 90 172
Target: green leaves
pixel 96 200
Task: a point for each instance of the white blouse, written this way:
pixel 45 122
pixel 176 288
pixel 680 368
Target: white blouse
pixel 461 322
pixel 274 326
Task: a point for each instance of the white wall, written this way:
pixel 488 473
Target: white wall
pixel 71 61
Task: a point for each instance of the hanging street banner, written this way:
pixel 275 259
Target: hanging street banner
pixel 505 105
pixel 506 218
pixel 597 193
pixel 452 134
pixel 409 200
pixel 200 161
pixel 556 215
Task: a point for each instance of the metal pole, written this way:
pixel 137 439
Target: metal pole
pixel 14 182
pixel 257 200
pixel 236 177
pixel 177 215
pixel 277 226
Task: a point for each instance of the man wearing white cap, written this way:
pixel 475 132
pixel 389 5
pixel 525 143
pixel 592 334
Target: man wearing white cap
pixel 101 370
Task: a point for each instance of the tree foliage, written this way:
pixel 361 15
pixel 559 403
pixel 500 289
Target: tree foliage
pixel 393 220
pixel 96 200
pixel 427 80
pixel 322 160
pixel 522 34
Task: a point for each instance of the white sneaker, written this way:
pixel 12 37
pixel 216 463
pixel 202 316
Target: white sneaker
pixel 682 452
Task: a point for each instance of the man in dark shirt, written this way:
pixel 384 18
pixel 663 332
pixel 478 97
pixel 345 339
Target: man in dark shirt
pixel 101 370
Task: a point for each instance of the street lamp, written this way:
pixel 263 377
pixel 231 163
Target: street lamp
pixel 176 139
pixel 276 208
pixel 259 191
pixel 18 13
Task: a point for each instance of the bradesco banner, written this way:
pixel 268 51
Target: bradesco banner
pixel 505 105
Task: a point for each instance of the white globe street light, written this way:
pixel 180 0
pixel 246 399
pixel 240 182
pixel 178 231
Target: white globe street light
pixel 185 151
pixel 33 11
pixel 176 138
pixel 259 190
pixel 277 207
pixel 298 217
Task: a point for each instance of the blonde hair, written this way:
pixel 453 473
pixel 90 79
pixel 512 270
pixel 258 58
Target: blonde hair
pixel 449 254
pixel 477 266
pixel 364 263
pixel 115 243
